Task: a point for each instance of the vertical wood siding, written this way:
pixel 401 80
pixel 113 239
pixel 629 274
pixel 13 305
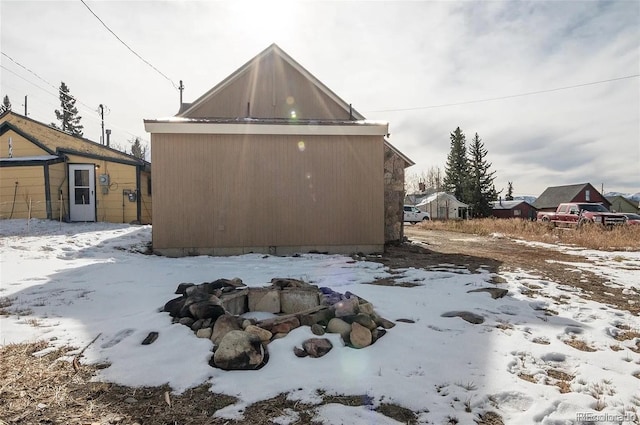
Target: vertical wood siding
pixel 30 188
pixel 260 191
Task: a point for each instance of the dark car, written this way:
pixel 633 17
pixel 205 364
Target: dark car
pixel 632 218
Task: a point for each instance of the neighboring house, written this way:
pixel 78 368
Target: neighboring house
pixel 47 173
pixel 513 209
pixel 272 161
pixel 622 204
pixel 554 196
pixel 442 205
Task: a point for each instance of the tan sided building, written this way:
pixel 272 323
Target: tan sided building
pixel 47 173
pixel 272 161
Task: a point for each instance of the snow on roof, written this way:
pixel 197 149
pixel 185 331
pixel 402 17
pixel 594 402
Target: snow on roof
pixel 507 205
pixel 30 158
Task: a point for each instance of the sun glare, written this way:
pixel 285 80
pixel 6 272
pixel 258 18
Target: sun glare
pixel 268 20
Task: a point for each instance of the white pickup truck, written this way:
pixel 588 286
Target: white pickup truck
pixel 413 215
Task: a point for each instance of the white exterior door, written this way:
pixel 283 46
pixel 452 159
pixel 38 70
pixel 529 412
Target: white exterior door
pixel 82 192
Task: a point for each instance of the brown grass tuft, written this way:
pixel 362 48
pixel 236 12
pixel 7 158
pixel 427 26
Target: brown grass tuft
pixel 620 238
pixel 579 345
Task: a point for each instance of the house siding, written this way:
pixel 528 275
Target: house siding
pixel 21 147
pixel 28 193
pixel 227 194
pixel 58 183
pixel 44 181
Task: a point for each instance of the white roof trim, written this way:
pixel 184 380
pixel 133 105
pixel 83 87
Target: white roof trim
pixel 361 129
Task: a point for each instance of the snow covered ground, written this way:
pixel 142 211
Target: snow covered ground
pixel 69 283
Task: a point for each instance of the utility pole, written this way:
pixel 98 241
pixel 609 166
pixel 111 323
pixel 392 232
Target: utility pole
pixel 25 105
pixel 181 88
pixel 101 106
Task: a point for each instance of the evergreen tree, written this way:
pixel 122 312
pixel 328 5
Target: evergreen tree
pixel 68 113
pixel 509 195
pixel 138 150
pixel 481 188
pixel 6 105
pixel 456 169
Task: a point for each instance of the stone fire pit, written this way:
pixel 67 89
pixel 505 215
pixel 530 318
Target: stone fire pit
pixel 215 310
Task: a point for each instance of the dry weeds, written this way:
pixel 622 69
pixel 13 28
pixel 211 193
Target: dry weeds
pixel 53 389
pixel 620 238
pixel 578 344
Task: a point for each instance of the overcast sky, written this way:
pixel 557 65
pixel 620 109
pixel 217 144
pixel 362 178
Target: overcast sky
pixel 397 61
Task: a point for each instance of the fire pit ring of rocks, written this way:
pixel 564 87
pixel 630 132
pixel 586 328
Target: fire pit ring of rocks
pixel 215 310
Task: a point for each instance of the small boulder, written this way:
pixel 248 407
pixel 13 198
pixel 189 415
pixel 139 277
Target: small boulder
pixel 263 334
pixel 317 329
pixel 299 352
pixel 182 288
pixel 317 347
pixel 174 306
pixel 346 307
pixel 381 321
pixel 364 320
pixel 186 321
pixel 206 310
pixel 239 350
pixel 360 336
pixel 225 324
pixel 339 326
pixel 376 334
pixel 286 326
pixel 282 283
pixel 204 333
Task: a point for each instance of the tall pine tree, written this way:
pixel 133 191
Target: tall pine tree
pixel 6 105
pixel 68 113
pixel 481 188
pixel 509 195
pixel 456 169
pixel 138 150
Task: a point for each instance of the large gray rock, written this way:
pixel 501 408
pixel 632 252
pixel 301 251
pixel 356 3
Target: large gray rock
pixel 317 347
pixel 224 325
pixel 263 334
pixel 174 306
pixel 239 350
pixel 264 299
pixel 339 326
pixel 346 307
pixel 297 300
pixel 206 310
pixel 360 336
pixel 365 320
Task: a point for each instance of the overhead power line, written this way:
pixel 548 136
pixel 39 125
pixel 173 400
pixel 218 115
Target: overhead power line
pixel 89 108
pixel 40 78
pixel 508 96
pixel 127 46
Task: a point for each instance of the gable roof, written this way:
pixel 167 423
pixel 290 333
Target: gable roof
pixel 442 197
pixel 54 141
pixel 619 199
pixel 274 50
pixel 508 205
pixel 556 195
